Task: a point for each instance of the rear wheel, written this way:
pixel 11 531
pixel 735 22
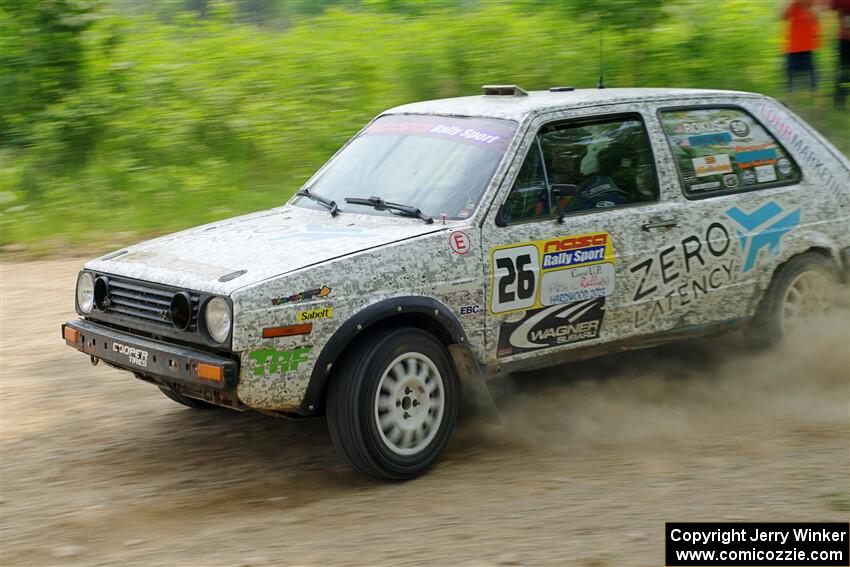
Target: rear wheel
pixel 799 296
pixel 393 402
pixel 186 400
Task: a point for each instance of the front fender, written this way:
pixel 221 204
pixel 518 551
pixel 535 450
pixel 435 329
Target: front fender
pixel 424 309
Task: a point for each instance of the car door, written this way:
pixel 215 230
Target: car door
pixel 555 285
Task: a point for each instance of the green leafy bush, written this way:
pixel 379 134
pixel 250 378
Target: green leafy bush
pixel 116 127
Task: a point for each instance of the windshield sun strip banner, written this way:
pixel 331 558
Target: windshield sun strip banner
pixel 486 133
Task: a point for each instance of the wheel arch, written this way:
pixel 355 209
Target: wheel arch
pixel 813 244
pixel 761 329
pixel 804 242
pixel 412 311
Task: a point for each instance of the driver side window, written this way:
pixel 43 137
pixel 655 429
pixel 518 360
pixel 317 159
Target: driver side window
pixel 583 166
pixel 529 198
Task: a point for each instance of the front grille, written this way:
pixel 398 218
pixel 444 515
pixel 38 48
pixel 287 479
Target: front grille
pixel 139 300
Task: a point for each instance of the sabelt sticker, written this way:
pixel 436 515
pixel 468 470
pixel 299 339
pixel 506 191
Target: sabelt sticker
pixel 311 314
pixel 535 274
pixel 553 326
pixel 459 242
pixel 712 165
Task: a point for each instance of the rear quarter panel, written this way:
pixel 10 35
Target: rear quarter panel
pixel 823 196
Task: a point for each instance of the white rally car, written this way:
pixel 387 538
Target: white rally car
pixel 451 240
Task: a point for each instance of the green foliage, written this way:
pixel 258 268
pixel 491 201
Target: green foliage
pixel 116 126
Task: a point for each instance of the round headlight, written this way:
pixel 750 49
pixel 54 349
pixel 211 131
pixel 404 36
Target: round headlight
pixel 217 317
pixel 85 292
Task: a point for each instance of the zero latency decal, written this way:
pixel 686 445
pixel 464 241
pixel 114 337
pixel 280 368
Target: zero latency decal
pixel 555 271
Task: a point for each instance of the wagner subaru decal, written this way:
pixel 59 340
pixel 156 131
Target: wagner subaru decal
pixel 552 326
pixel 519 271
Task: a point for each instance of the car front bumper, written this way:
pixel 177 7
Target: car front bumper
pixel 174 366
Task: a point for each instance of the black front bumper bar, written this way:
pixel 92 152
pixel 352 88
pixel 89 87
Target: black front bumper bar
pixel 161 362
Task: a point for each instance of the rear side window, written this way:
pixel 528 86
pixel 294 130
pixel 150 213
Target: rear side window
pixel 725 150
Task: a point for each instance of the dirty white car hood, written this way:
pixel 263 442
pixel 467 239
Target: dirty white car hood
pixel 264 245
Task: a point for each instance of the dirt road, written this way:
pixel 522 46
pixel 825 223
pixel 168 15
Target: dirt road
pixel 101 469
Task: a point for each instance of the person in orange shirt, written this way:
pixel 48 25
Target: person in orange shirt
pixel 802 40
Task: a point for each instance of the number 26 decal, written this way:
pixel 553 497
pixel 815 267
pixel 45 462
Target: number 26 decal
pixel 515 276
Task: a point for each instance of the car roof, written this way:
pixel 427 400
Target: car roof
pixel 513 107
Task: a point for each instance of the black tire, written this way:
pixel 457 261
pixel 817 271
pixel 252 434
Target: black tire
pixel 355 405
pixel 769 327
pixel 187 401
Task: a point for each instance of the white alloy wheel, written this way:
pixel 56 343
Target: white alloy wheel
pixel 409 403
pixel 806 299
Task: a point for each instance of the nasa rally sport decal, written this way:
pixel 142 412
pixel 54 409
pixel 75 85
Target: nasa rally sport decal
pixel 552 326
pixel 541 273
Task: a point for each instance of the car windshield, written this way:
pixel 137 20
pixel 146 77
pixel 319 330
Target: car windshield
pixel 439 164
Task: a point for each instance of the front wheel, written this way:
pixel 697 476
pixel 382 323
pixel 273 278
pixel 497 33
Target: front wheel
pixel 393 402
pixel 799 296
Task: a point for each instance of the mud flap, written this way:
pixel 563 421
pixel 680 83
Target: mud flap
pixel 476 396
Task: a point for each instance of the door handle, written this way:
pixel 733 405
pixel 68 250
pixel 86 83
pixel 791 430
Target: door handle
pixel 660 223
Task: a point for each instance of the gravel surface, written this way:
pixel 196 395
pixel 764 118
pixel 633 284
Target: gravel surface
pixel 589 462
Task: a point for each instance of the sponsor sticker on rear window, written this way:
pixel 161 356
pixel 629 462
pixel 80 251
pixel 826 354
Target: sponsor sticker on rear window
pixel 725 149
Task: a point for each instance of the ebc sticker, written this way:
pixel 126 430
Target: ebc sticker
pixel 553 326
pixel 519 271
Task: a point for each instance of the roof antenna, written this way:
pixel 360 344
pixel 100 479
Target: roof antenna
pixel 601 84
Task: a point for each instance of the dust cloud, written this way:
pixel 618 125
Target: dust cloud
pixel 684 392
